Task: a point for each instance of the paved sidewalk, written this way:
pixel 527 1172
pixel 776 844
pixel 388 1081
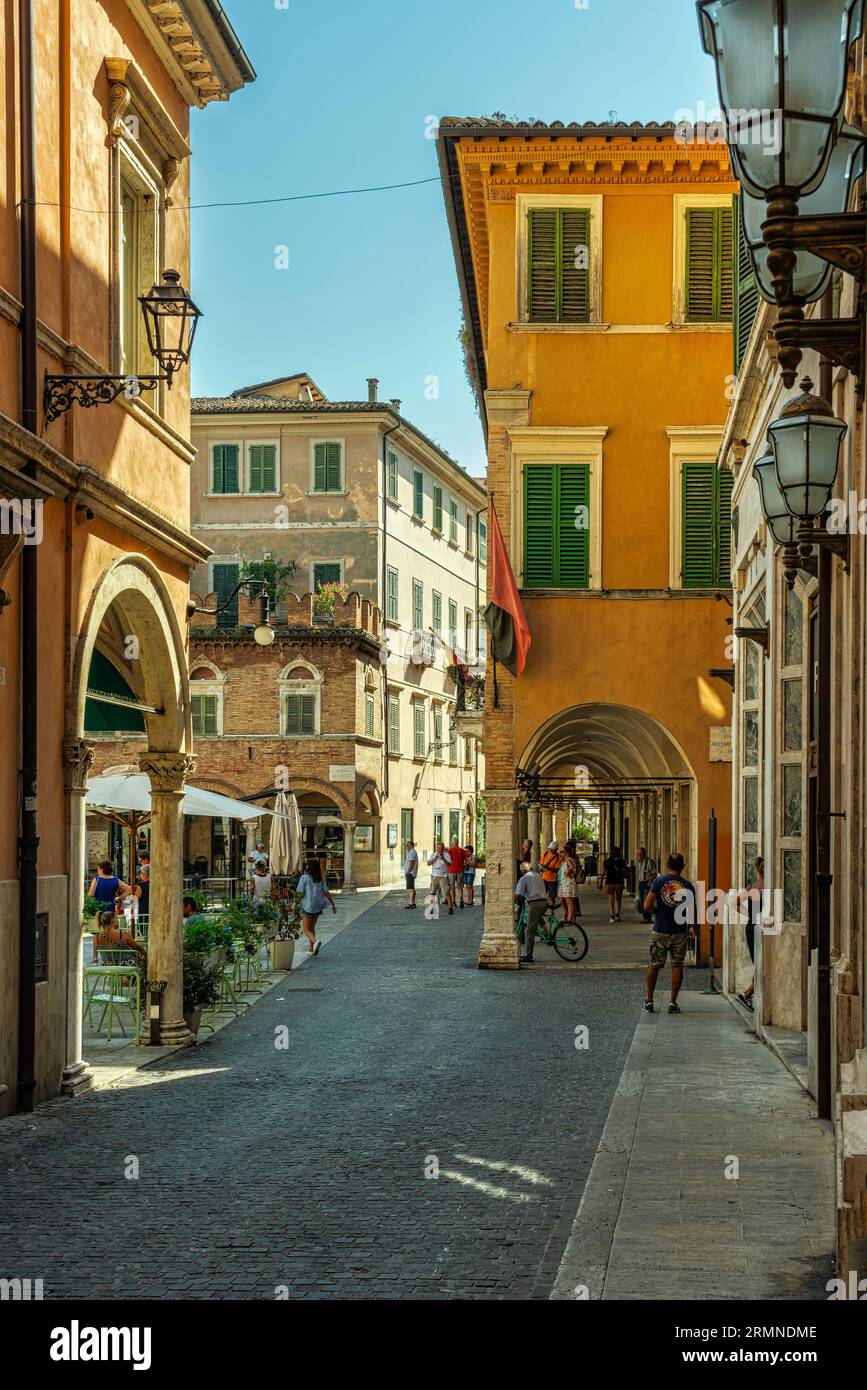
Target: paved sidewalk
pixel 700 1098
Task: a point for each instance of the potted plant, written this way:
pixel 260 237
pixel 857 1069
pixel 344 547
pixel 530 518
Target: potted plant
pixel 287 933
pixel 201 988
pixel 325 598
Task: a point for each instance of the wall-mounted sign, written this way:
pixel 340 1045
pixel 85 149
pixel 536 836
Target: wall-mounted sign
pixel 363 840
pixel 720 743
pixel 392 836
pixel 337 773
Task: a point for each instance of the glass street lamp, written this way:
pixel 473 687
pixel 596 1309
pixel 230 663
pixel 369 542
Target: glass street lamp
pixel 784 528
pixel 811 273
pixel 805 440
pixel 781 76
pixel 171 319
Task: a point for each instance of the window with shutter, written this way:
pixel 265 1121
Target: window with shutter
pixel 392 475
pixel 706 527
pixel 225 577
pixel 417 604
pixel 326 574
pixel 453 522
pixel 262 468
pixel 483 542
pixel 709 265
pixel 224 468
pixel 437 623
pixel 438 733
pixel 556 532
pixel 327 467
pixel 746 289
pixel 368 715
pixel 453 624
pixel 558 276
pixel 391 609
pixel 418 715
pixel 300 716
pixel 204 712
pixel 393 724
pixel 437 509
pixel 418 493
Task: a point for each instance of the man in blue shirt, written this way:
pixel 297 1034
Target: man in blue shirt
pixel 671 899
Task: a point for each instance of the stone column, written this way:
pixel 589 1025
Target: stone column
pixel 168 773
pixel 499 945
pixel 546 833
pixel 534 827
pixel 349 856
pixel 77 761
pixel 561 822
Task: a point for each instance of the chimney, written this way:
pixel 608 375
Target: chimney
pixel 396 405
pixel 372 383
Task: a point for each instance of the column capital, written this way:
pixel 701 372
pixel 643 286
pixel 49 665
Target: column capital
pixel 167 772
pixel 500 803
pixel 348 824
pixel 78 757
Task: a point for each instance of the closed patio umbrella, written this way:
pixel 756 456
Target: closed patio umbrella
pixel 279 847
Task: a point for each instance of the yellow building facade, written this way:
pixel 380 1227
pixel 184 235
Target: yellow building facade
pixel 94 201
pixel 596 266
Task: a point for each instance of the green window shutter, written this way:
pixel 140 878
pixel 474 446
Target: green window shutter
pixel 700 526
pixel 437 509
pixel 225 468
pixel 300 715
pixel 573 514
pixel 453 521
pixel 709 265
pixel 391 595
pixel 556 549
pixel 417 604
pixel 196 711
pixel 418 493
pixel 558 273
pixel 393 725
pixel 392 475
pixel 483 542
pixel 437 613
pixel 327 467
pixel 539 531
pixel 453 623
pixel 746 304
pixel 325 574
pixel 209 715
pixel 262 461
pixel 725 483
pixel 418 722
pixel 368 715
pixel 225 579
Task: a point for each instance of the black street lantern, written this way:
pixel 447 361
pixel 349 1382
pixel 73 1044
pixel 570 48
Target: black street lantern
pixel 781 75
pixel 171 319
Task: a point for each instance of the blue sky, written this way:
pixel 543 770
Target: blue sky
pixel 342 100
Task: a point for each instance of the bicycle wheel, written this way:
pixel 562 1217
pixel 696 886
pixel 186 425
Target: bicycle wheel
pixel 569 940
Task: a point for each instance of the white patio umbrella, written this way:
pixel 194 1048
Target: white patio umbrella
pixel 278 848
pixel 131 791
pixel 296 837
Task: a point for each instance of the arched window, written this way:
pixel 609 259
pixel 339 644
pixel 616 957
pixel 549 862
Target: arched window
pixel 207 683
pixel 300 687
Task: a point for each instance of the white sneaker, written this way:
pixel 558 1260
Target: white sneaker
pixel 316 945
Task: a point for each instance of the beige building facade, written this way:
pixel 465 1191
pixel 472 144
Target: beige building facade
pixel 353 494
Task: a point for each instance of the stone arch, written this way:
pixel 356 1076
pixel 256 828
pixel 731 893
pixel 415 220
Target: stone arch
pixel 312 674
pixel 136 593
pixel 329 790
pixel 212 671
pixel 371 791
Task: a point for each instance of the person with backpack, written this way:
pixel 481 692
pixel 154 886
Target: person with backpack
pixel 549 867
pixel 671 898
pixel 614 880
pixel 645 872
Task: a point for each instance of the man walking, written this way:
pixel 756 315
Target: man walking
pixel 455 856
pixel 410 871
pixel 671 898
pixel 532 892
pixel 439 879
pixel 645 873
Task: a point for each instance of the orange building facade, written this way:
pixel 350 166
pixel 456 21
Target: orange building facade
pixel 597 272
pixel 110 89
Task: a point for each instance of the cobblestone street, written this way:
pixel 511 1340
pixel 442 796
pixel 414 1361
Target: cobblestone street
pixel 305 1168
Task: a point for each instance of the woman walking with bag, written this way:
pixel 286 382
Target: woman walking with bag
pixel 571 875
pixel 314 896
pixel 614 880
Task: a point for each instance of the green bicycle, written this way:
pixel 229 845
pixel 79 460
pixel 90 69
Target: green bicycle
pixel 569 939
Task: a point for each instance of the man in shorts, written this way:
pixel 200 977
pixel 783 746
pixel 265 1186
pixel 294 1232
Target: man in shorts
pixel 671 898
pixel 455 856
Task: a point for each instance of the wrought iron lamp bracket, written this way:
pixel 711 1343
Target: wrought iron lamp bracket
pixel 60 393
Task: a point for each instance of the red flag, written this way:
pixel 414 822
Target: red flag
pixel 504 616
